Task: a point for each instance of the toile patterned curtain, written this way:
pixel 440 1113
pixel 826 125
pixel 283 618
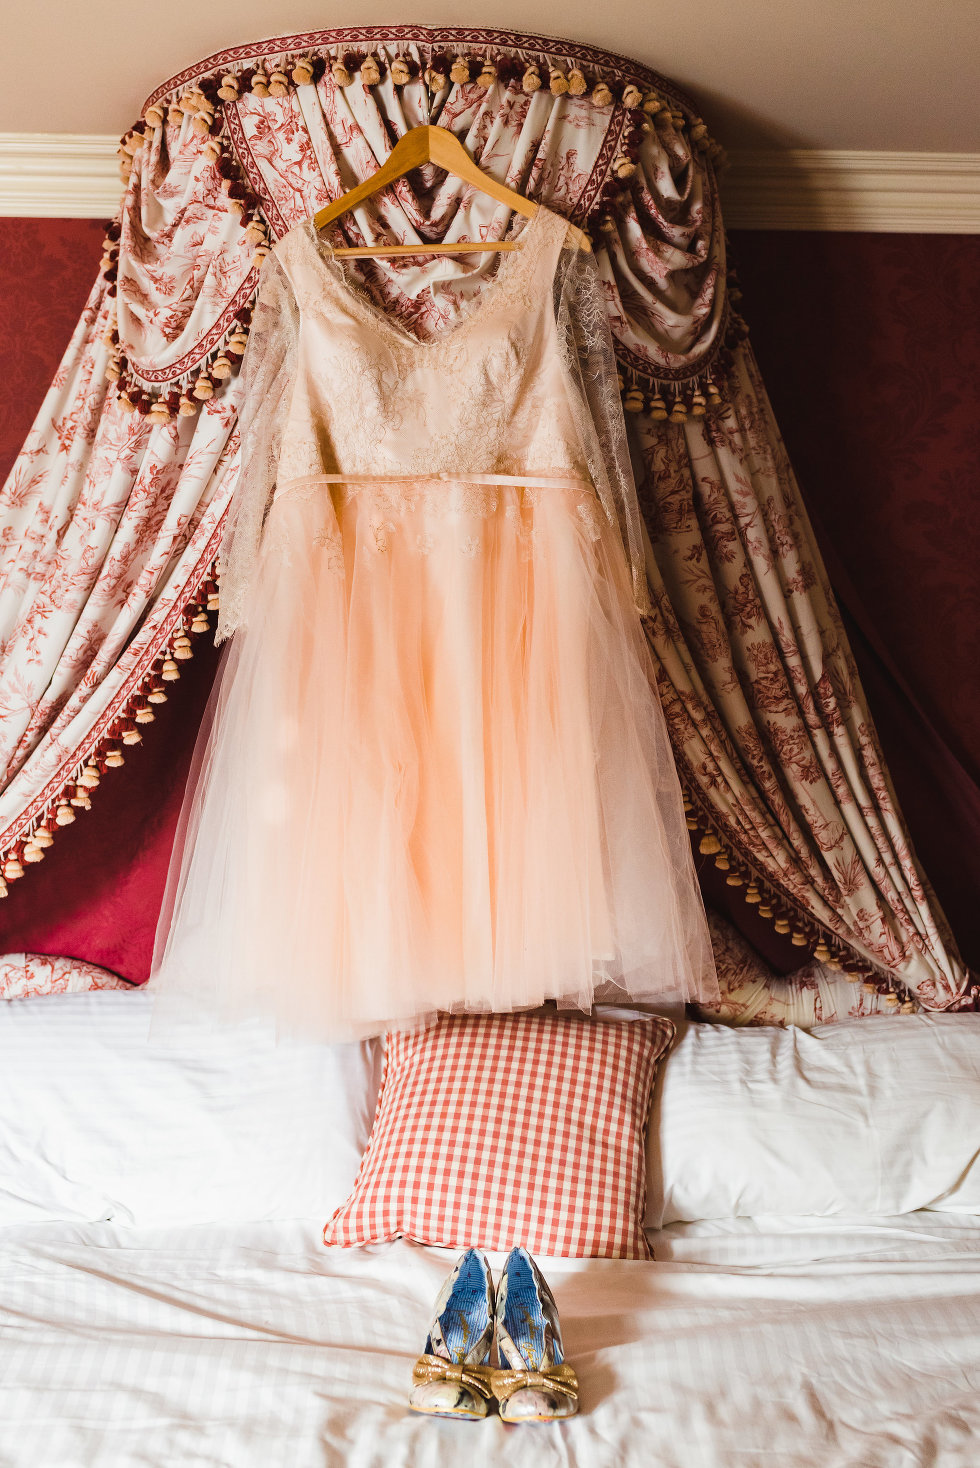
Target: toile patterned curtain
pixel 112 516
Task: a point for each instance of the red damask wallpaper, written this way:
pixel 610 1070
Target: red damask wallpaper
pixel 47 268
pixel 869 346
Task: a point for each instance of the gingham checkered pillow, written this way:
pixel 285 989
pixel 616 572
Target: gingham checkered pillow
pixel 495 1130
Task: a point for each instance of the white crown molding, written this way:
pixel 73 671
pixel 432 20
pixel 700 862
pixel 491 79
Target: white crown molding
pixel 75 176
pixel 907 193
pixel 59 175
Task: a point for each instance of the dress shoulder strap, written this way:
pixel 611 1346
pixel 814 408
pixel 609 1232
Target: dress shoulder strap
pixel 528 273
pixel 543 240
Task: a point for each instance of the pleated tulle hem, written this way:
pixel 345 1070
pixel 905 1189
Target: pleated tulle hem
pixel 435 777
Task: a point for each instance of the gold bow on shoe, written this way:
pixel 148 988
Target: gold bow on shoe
pixel 434 1368
pixel 560 1378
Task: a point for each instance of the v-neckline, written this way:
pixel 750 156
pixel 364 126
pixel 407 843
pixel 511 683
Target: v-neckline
pixel 380 319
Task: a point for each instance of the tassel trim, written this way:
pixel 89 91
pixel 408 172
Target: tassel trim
pixel 184 397
pixel 202 104
pixel 124 732
pixel 529 72
pixel 804 932
pixel 673 402
pixel 279 75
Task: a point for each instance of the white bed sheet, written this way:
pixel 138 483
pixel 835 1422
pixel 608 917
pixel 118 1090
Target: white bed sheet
pixel 749 1344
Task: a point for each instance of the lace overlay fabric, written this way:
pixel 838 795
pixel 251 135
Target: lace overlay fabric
pixel 524 383
pixel 435 776
pixel 267 376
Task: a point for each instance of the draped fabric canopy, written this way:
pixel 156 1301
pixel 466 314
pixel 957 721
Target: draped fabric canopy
pixel 112 517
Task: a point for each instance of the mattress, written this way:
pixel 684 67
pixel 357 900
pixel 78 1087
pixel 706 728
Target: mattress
pixel 780 1343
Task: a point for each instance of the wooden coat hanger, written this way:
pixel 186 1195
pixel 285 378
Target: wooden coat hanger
pixel 428 144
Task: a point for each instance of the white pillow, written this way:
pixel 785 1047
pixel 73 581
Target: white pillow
pixel 875 1116
pixel 97 1122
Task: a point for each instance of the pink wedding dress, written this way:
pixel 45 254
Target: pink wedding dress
pixel 435 774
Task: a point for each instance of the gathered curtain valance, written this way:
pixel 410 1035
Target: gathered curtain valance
pixel 114 509
pixel 260 137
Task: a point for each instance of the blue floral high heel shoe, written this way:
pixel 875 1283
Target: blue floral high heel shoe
pixel 534 1382
pixel 453 1377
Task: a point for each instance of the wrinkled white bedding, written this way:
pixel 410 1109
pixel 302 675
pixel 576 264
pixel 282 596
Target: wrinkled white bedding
pixel 779 1343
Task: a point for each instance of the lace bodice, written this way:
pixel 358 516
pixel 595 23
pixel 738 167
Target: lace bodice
pixel 491 396
pixel 523 383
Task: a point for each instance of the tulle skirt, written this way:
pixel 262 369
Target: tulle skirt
pixel 434 775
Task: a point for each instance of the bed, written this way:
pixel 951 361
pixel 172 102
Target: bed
pixel 794 1342
pixel 763 1341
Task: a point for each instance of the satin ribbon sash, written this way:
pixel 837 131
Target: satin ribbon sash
pixel 517 481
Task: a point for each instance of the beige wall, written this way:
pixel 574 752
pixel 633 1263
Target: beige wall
pixel 867 74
